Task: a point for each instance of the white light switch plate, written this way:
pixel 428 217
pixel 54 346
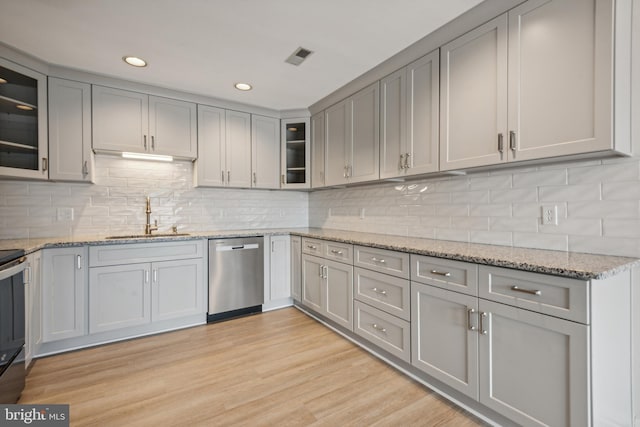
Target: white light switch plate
pixel 65 214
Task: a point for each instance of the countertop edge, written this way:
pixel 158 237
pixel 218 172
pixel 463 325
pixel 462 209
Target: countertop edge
pixel 621 265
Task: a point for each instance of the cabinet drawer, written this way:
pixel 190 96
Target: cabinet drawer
pixel 384 330
pixel 447 274
pixel 342 252
pixel 312 246
pixel 555 296
pixel 132 253
pixel 387 293
pixel 383 261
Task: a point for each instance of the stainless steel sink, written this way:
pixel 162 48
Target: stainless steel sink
pixel 146 236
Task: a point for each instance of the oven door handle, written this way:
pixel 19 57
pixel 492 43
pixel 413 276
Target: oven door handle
pixel 14 269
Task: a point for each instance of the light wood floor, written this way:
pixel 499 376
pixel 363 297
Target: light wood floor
pixel 279 368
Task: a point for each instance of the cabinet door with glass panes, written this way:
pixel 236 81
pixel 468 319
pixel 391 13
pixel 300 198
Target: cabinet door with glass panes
pixel 295 154
pixel 23 122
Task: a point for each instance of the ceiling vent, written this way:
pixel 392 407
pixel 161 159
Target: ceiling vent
pixel 299 55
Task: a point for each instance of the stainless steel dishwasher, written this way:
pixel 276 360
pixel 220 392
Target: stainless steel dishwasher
pixel 236 277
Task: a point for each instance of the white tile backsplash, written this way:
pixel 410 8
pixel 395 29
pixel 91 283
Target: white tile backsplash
pixel 598 204
pixel 116 203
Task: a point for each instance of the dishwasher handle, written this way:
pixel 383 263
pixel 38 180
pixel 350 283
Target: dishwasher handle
pixel 225 248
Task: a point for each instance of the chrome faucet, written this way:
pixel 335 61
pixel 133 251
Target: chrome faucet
pixel 148 228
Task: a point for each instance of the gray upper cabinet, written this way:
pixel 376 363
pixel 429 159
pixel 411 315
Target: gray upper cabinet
pixel 474 97
pixel 23 122
pixel 560 85
pixel 70 154
pixel 409 123
pixel 265 152
pixel 317 150
pixel 136 122
pixel 509 94
pixel 224 151
pixel 296 154
pixel 352 138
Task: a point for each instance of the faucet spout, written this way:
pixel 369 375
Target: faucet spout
pixel 148 228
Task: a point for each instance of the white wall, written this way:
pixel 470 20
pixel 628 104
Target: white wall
pixel 116 203
pixel 598 205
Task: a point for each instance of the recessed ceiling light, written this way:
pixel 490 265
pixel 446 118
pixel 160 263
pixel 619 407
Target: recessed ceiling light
pixel 2 80
pixel 243 86
pixel 135 61
pixel 24 107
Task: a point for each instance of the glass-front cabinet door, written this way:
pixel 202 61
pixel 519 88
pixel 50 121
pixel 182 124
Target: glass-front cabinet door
pixel 295 153
pixel 23 122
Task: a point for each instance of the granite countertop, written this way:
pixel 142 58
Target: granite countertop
pixel 567 264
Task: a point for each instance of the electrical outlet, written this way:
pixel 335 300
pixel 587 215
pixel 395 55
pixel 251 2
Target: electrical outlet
pixel 65 214
pixel 549 215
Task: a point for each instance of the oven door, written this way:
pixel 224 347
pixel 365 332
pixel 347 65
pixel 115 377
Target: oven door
pixel 12 314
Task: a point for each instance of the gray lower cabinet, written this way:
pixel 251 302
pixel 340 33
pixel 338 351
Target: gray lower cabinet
pixel 64 282
pixel 534 368
pixel 444 337
pixel 119 297
pixel 382 329
pixel 327 288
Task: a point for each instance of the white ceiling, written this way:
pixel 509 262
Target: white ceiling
pixel 205 46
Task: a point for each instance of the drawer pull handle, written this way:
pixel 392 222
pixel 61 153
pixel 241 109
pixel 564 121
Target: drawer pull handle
pixel 333 251
pixel 312 246
pixel 379 291
pixel 470 326
pixel 379 328
pixel 483 331
pixel 526 291
pixel 441 273
pixel 381 260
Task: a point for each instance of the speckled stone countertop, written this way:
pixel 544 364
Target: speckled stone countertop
pixel 566 264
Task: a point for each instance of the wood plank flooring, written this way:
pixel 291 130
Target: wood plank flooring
pixel 279 368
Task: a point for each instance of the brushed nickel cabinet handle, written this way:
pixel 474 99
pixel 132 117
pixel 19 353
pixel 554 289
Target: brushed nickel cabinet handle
pixel 381 260
pixel 441 273
pixel 145 142
pixel 282 179
pixel 401 161
pixel 501 143
pixel 45 164
pixel 320 272
pixel 314 247
pixel 326 271
pixel 526 291
pixel 85 168
pixel 470 326
pixel 512 140
pixel 379 291
pixel 254 178
pixel 483 331
pixel 153 142
pixel 378 328
pixel 155 275
pixel 79 262
pixel 146 276
pixel 406 161
pixel 333 251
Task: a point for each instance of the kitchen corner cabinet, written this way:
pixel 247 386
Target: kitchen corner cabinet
pixel 64 293
pixel 296 154
pixel 136 122
pixel 409 119
pixel 224 149
pixel 137 284
pixel 70 154
pixel 23 122
pixel 510 95
pixel 265 152
pixel 317 150
pixel 352 138
pixel 296 267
